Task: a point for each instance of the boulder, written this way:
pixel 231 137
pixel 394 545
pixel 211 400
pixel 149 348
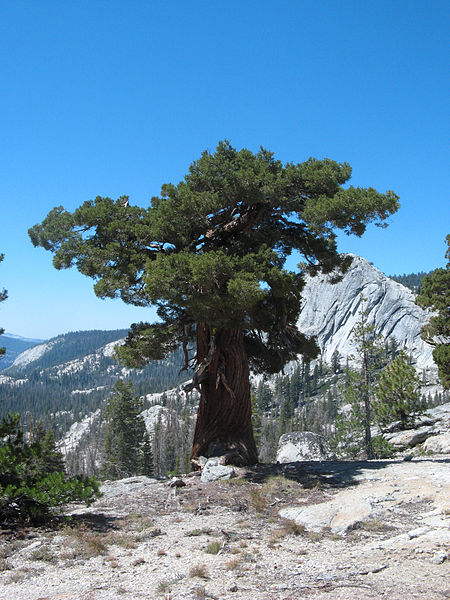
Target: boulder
pixel 438 444
pixel 213 470
pixel 410 437
pixel 303 446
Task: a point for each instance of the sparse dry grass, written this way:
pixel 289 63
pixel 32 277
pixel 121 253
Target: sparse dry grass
pixel 199 571
pixel 44 553
pixel 5 565
pixel 233 564
pixel 81 543
pixel 165 585
pixel 122 539
pixel 21 574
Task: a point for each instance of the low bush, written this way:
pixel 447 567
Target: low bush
pixel 32 478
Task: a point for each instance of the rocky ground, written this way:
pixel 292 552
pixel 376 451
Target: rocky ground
pixel 335 530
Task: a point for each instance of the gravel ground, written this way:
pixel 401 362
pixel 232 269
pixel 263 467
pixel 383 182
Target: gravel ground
pixel 226 540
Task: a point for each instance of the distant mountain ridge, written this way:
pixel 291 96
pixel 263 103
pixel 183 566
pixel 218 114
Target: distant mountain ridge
pixel 15 345
pixel 71 375
pixel 64 348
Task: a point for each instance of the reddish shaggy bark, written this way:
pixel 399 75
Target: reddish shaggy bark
pixel 224 425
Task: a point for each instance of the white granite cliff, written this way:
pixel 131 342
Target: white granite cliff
pixel 330 311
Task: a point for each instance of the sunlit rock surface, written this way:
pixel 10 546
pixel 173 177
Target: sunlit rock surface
pixel 330 311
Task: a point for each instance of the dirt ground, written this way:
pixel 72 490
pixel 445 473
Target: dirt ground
pixel 226 539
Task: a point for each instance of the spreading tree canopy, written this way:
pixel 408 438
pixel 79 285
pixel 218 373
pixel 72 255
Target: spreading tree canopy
pixel 211 253
pixel 435 294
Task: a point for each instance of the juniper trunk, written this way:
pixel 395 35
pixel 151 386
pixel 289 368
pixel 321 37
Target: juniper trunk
pixel 224 425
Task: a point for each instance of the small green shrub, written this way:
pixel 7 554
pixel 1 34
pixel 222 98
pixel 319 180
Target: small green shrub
pixel 32 478
pixel 382 448
pixel 213 548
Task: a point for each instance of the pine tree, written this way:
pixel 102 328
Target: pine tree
pixel 398 394
pixel 336 362
pixel 349 437
pixel 146 466
pixel 435 294
pixel 256 420
pixel 48 457
pixel 264 397
pixel 211 254
pixel 362 382
pixel 124 435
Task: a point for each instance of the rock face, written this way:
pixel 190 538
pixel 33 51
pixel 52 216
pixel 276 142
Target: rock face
pixel 433 428
pixel 303 446
pixel 330 311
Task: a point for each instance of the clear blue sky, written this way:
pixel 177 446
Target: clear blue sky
pixel 112 97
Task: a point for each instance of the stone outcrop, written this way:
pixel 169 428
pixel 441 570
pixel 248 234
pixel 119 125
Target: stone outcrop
pixel 330 311
pixel 410 437
pixel 303 446
pixel 384 490
pixel 432 431
pixel 438 444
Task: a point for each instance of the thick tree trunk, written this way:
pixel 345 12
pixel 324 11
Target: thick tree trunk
pixel 224 425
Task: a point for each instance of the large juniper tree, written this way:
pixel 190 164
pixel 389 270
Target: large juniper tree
pixel 211 254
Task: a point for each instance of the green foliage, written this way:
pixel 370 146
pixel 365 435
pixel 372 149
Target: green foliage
pixel 413 281
pixel 146 464
pixel 213 249
pixel 435 294
pixel 256 419
pixel 382 448
pixel 349 435
pixel 32 481
pixel 369 352
pixel 398 394
pixel 125 434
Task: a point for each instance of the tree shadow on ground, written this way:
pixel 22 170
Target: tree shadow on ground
pixel 333 474
pixel 94 521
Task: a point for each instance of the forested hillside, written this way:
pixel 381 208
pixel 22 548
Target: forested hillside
pixel 64 348
pixel 14 345
pixel 71 375
pixel 413 281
